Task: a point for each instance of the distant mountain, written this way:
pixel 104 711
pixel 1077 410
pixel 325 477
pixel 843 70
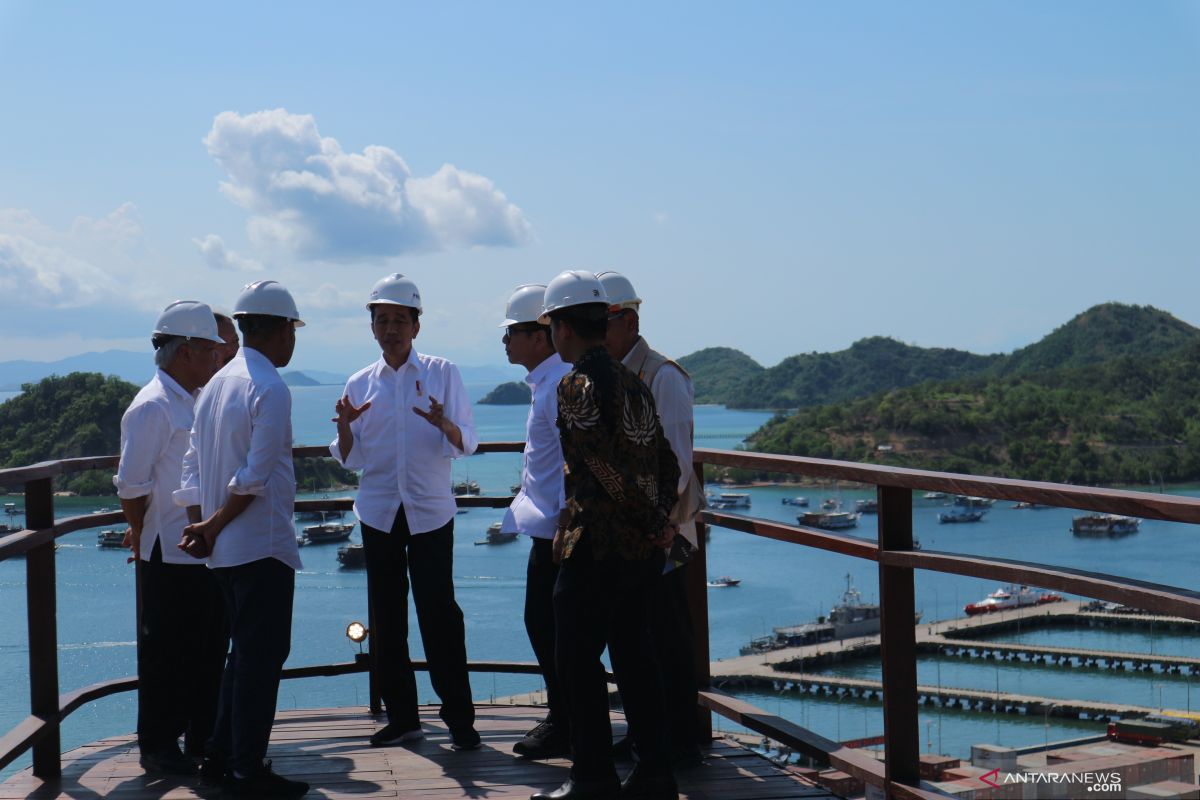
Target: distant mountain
pixel 867 366
pixel 136 368
pixel 297 378
pixel 513 393
pixel 326 378
pixel 1102 333
pixel 719 372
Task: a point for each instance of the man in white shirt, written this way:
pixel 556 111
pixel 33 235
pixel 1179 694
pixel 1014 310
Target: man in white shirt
pixel 536 508
pixel 179 665
pixel 238 479
pixel 401 421
pixel 670 620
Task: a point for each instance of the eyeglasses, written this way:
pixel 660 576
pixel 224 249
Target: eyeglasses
pixel 513 330
pixel 617 314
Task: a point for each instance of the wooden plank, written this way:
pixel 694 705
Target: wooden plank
pixel 898 642
pixel 795 534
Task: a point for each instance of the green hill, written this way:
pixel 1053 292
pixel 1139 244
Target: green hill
pixel 719 372
pixel 1127 420
pixel 78 415
pixel 1102 333
pixel 513 393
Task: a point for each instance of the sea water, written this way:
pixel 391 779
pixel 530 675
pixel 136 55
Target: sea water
pixel 781 584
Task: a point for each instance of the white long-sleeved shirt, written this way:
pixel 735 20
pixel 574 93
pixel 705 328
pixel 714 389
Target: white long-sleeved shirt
pixel 405 461
pixel 534 511
pixel 241 443
pixel 154 437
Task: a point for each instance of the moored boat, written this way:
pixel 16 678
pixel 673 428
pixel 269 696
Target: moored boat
pixel 723 582
pixel 327 532
pixel 966 501
pixel 728 500
pixel 1011 596
pixel 352 556
pixel 465 488
pixel 496 536
pixel 1105 525
pixel 951 517
pixel 802 502
pixel 869 506
pixel 935 495
pixel 111 538
pixel 829 520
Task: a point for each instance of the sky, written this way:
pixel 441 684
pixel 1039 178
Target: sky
pixel 778 177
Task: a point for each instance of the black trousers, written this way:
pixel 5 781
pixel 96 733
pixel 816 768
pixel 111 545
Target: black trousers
pixel 427 560
pixel 258 596
pixel 182 641
pixel 606 602
pixel 540 577
pixel 671 630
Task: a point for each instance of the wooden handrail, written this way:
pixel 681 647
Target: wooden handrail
pixel 892 551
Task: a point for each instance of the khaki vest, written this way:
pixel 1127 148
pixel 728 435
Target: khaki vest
pixel 646 363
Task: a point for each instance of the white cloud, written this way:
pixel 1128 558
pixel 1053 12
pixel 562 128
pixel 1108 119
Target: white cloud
pixel 218 257
pixel 309 196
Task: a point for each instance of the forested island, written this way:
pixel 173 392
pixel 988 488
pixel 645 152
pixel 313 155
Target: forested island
pixel 79 414
pixel 513 393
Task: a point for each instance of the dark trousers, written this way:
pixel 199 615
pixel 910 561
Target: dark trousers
pixel 599 602
pixel 182 642
pixel 258 596
pixel 671 630
pixel 427 559
pixel 540 577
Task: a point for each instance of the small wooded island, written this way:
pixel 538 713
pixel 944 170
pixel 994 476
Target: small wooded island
pixel 513 393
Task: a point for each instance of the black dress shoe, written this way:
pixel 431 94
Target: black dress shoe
pixel 608 789
pixel 168 761
pixel 642 784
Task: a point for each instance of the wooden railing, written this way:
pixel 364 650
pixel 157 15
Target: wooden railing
pixel 893 551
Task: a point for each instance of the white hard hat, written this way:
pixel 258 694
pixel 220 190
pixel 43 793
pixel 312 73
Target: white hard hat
pixel 396 290
pixel 574 287
pixel 268 298
pixel 525 305
pixel 619 290
pixel 188 318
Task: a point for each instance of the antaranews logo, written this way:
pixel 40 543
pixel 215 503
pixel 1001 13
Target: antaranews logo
pixel 1092 781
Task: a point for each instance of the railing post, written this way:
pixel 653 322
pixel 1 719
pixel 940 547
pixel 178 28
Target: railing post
pixel 372 655
pixel 696 582
pixel 42 615
pixel 898 641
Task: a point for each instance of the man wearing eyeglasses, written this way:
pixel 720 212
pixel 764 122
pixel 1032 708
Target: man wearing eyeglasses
pixel 670 620
pixel 536 508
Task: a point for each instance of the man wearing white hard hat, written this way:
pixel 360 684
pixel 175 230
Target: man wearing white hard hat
pixel 670 619
pixel 401 421
pixel 620 484
pixel 179 665
pixel 239 487
pixel 536 508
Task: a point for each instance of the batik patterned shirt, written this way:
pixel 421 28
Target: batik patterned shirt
pixel 621 477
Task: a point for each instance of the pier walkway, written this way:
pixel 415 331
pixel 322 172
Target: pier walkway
pixel 790 668
pixel 328 748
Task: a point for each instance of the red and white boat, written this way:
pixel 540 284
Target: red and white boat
pixel 1011 597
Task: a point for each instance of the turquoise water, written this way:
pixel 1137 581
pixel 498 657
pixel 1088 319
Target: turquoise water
pixel 781 585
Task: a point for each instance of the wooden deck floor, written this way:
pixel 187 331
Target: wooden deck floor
pixel 328 748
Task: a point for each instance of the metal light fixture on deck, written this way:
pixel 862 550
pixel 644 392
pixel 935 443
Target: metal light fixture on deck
pixel 357 633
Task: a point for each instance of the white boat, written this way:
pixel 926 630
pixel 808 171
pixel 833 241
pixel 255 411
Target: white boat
pixel 465 488
pixel 327 532
pixel 1105 525
pixel 869 506
pixel 935 495
pixel 961 516
pixel 352 556
pixel 496 536
pixel 319 516
pixel 723 582
pixel 1011 596
pixel 802 502
pixel 831 504
pixel 966 501
pixel 829 520
pixel 729 500
pixel 111 538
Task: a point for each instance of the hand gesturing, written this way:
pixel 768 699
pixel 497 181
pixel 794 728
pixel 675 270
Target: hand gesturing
pixel 346 411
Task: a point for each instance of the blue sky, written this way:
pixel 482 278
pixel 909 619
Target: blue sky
pixel 777 177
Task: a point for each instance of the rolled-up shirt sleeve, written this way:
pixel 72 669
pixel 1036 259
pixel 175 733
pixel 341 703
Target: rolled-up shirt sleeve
pixel 458 410
pixel 188 493
pixel 145 430
pixel 269 428
pixel 673 396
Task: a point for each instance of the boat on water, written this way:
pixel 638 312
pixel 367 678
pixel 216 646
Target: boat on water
pixel 869 506
pixel 1105 525
pixel 831 504
pixel 723 582
pixel 496 536
pixel 465 488
pixel 728 500
pixel 802 502
pixel 326 532
pixel 103 510
pixel 1031 506
pixel 352 556
pixel 966 501
pixel 12 510
pixel 829 520
pixel 1010 596
pixel 319 516
pixel 952 517
pixel 935 495
pixel 111 538
pixel 849 618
